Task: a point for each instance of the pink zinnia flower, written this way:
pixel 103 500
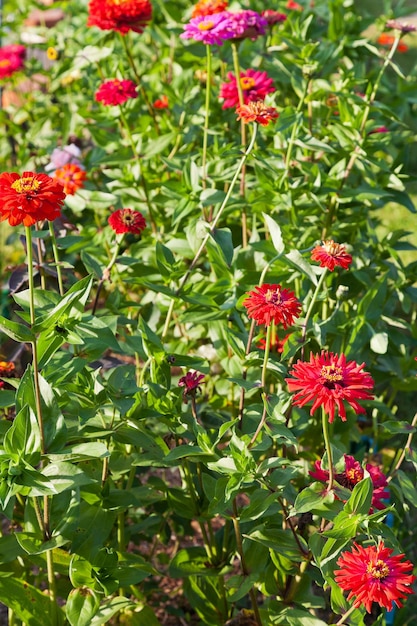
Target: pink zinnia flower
pixel 209 29
pixel 271 303
pixel 372 575
pixel 116 91
pixel 62 156
pixel 11 59
pixel 247 24
pixel 353 474
pixel 330 254
pixel 257 111
pixel 127 221
pixel 255 86
pixel 330 380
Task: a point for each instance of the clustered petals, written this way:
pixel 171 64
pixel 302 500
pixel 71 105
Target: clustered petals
pixel 257 111
pixel 273 17
pixel 255 85
pixel 372 574
pixel 127 221
pixel 208 7
pixel 270 303
pixel 161 103
pixel 209 29
pixel 120 15
pixel 353 474
pixel 29 198
pixel 330 254
pixel 191 382
pixel 71 176
pixel 329 380
pixel 61 156
pixel 116 91
pixel 247 24
pixel 12 59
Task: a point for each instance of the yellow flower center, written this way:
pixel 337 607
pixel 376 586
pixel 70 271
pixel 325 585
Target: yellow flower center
pixel 354 475
pixel 4 63
pixel 247 82
pixel 26 185
pixel 52 53
pixel 332 373
pixel 378 570
pixel 205 25
pixel 332 248
pixel 273 296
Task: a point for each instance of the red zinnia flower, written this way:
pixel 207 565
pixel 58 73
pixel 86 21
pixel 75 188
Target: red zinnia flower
pixel 373 575
pixel 388 40
pixel 330 254
pixel 208 7
pixel 255 86
pixel 11 59
pixel 127 221
pixel 295 6
pixel 329 380
pixel 29 198
pixel 353 474
pixel 116 91
pixel 161 103
pixel 191 381
pixel 120 15
pixel 71 176
pixel 257 112
pixel 270 303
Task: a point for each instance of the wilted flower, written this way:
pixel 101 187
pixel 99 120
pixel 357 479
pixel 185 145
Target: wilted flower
pixel 330 254
pixel 127 221
pixel 353 474
pixel 273 17
pixel 161 103
pixel 71 176
pixel 116 91
pixel 191 383
pixel 404 27
pixel 247 24
pixel 257 111
pixel 209 29
pixel 208 7
pixel 11 59
pixel 29 198
pixel 270 303
pixel 330 380
pixel 255 86
pixel 388 40
pixel 372 575
pixel 61 156
pixel 120 15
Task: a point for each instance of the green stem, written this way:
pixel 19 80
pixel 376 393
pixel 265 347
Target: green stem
pixel 206 115
pixel 266 355
pixel 295 128
pixel 56 259
pixel 107 271
pixel 345 616
pixel 236 67
pixel 327 444
pixel 311 306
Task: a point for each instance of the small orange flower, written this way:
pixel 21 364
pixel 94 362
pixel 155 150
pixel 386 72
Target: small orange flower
pixel 6 368
pixel 208 7
pixel 71 177
pixel 161 103
pixel 257 112
pixel 388 40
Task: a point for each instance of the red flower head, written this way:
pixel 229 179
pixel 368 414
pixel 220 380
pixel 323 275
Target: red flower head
pixel 120 15
pixel 329 380
pixel 161 103
pixel 208 7
pixel 273 17
pixel 270 303
pixel 294 6
pixel 71 176
pixel 191 383
pixel 257 112
pixel 353 474
pixel 7 368
pixel 116 91
pixel 329 254
pixel 373 575
pixel 388 40
pixel 255 86
pixel 29 198
pixel 11 59
pixel 127 221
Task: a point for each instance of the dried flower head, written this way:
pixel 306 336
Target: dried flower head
pixel 29 198
pixel 208 7
pixel 372 574
pixel 116 91
pixel 71 176
pixel 255 85
pixel 209 29
pixel 257 111
pixel 120 15
pixel 403 27
pixel 330 254
pixel 270 303
pixel 127 221
pixel 330 380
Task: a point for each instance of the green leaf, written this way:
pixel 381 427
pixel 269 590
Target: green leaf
pixel 190 561
pixel 296 260
pixel 361 498
pixel 82 604
pixel 28 603
pixel 275 232
pixel 23 440
pixel 314 498
pixel 111 607
pixel 76 296
pixel 16 331
pixel 281 541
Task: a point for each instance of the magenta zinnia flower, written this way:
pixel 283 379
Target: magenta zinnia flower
pixel 372 575
pixel 11 59
pixel 247 24
pixel 271 303
pixel 209 29
pixel 255 86
pixel 116 91
pixel 330 380
pixel 353 474
pixel 329 254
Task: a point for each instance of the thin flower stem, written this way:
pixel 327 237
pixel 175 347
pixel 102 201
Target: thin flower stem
pixel 266 355
pixel 206 115
pixel 261 421
pixel 106 272
pixel 345 616
pixel 40 259
pixel 327 444
pixel 236 67
pixel 56 259
pixel 403 451
pixel 295 128
pixel 310 308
